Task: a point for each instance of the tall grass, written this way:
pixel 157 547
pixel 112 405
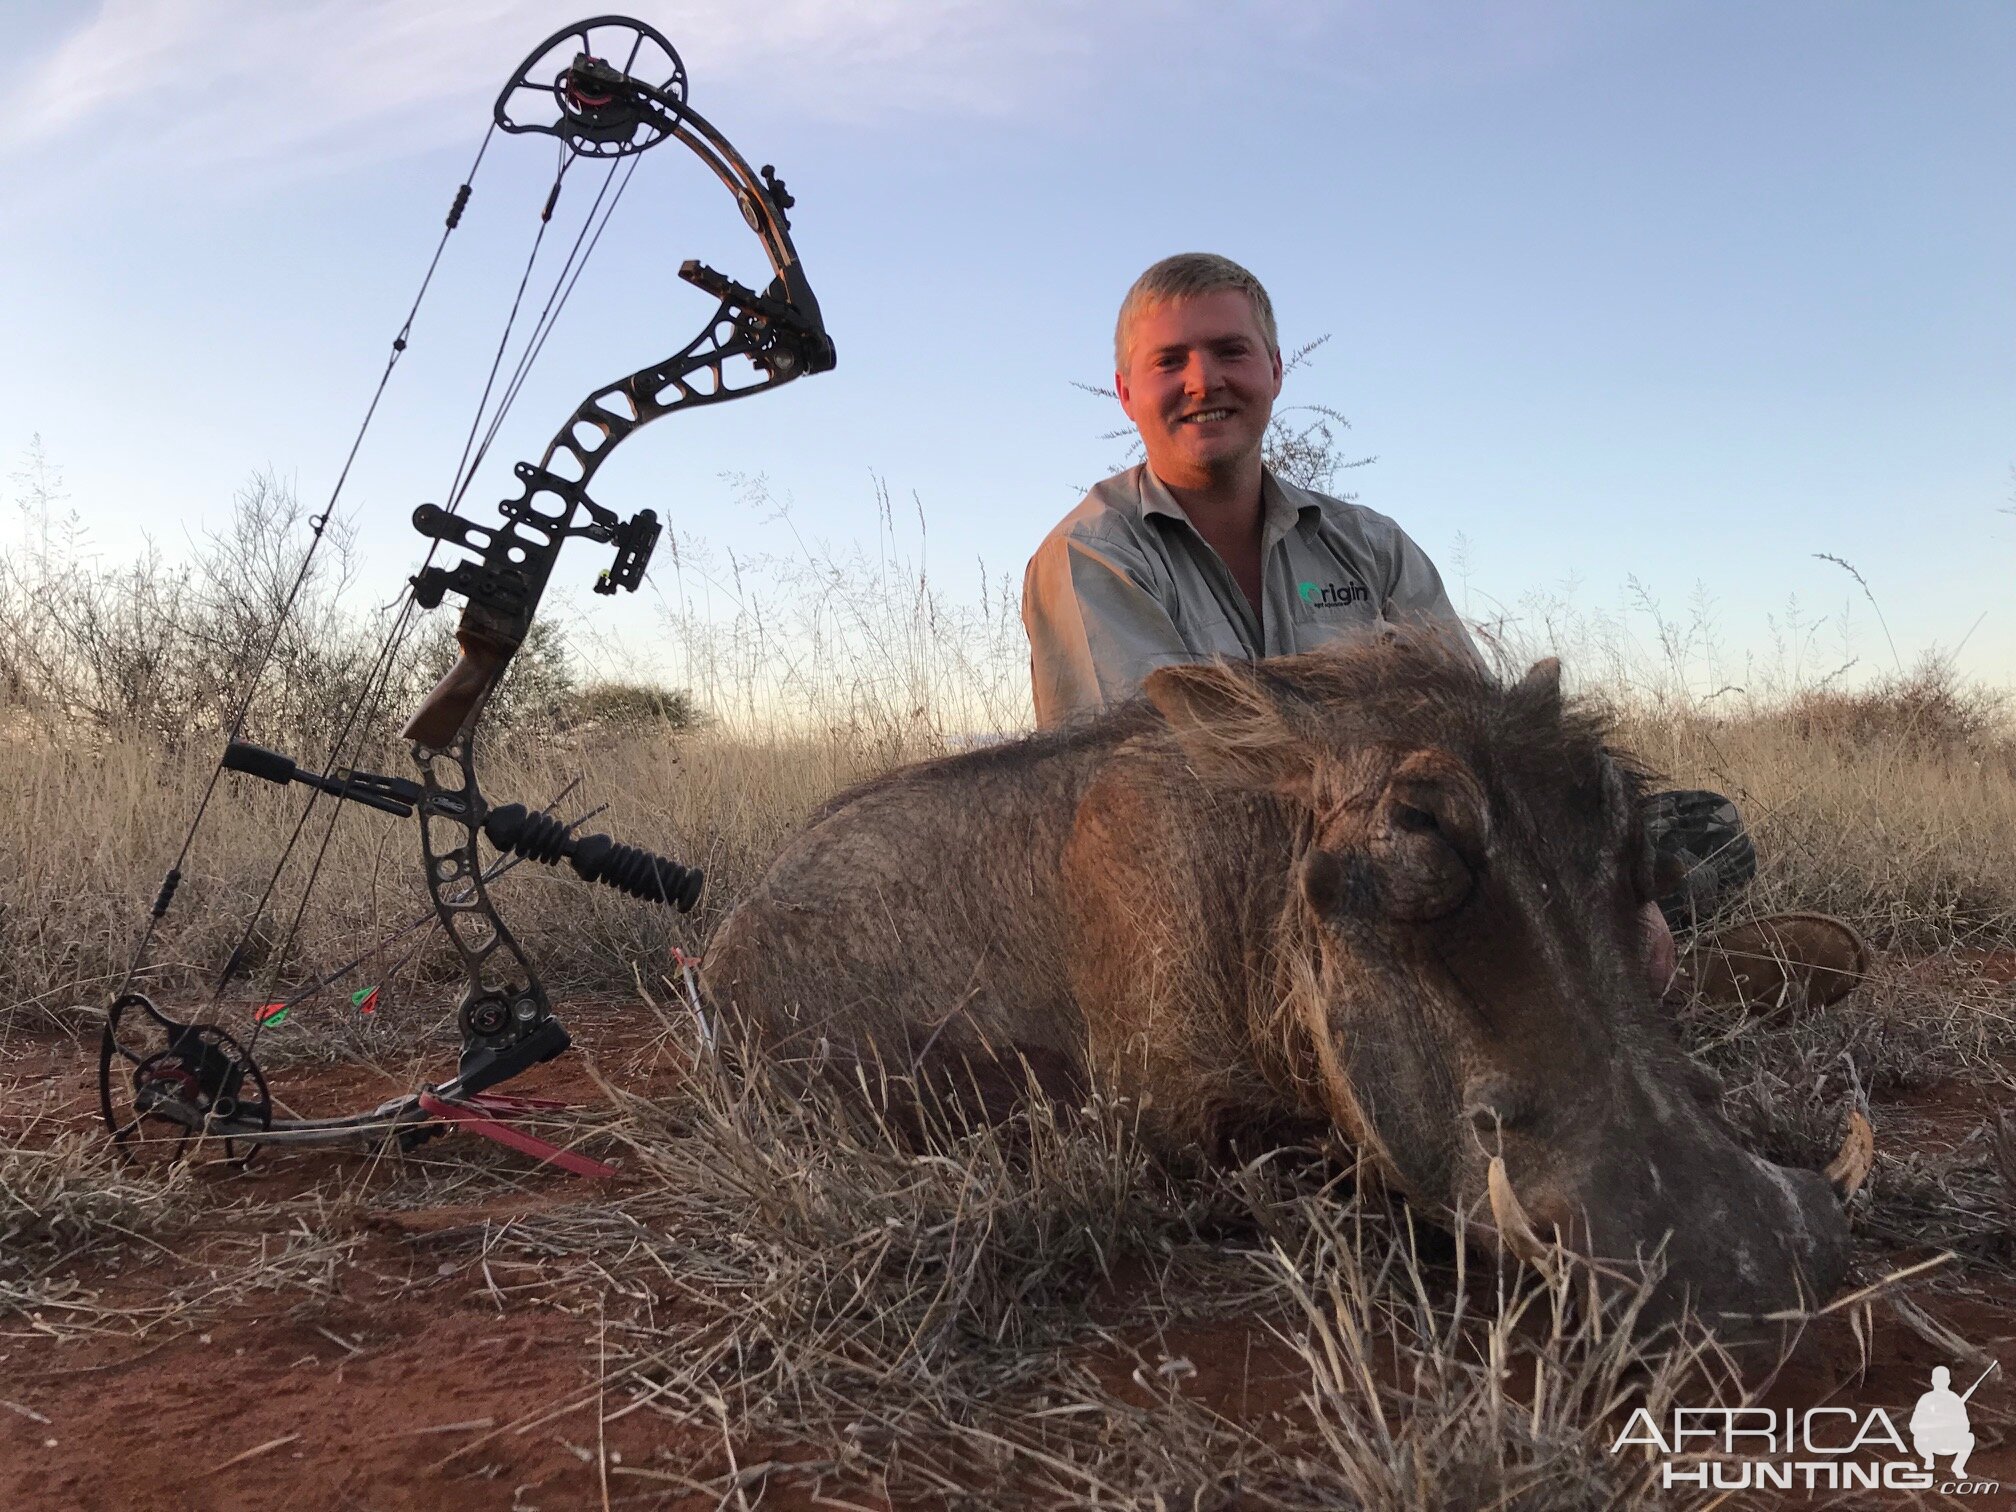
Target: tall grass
pixel 866 644
pixel 1913 846
pixel 1032 1312
pixel 1892 803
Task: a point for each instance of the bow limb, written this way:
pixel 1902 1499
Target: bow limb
pixel 776 336
pixel 754 341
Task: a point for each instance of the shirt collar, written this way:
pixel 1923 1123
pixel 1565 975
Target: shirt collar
pixel 1281 504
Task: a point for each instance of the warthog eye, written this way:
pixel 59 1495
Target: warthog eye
pixel 1417 820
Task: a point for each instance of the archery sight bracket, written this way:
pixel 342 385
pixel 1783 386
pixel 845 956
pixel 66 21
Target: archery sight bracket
pixel 496 582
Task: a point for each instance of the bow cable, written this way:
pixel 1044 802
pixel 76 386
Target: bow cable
pixel 382 663
pixel 549 317
pixel 504 336
pixel 317 525
pixel 362 714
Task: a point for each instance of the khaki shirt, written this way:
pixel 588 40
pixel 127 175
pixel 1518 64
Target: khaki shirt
pixel 1125 584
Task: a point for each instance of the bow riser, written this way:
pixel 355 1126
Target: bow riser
pixel 503 588
pixel 753 342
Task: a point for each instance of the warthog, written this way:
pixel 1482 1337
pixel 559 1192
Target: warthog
pixel 1370 889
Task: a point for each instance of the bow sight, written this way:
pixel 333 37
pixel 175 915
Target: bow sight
pixel 198 1079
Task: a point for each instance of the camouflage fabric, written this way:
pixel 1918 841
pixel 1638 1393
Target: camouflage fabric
pixel 1705 834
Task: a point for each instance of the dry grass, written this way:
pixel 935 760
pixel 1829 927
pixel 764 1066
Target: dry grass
pixel 93 829
pixel 1026 1318
pixel 1910 844
pixel 1900 822
pixel 1903 1035
pixel 1037 1316
pixel 72 1197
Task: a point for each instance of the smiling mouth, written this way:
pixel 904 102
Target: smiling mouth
pixel 1205 417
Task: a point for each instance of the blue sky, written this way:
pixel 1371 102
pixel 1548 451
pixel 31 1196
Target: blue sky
pixel 1673 293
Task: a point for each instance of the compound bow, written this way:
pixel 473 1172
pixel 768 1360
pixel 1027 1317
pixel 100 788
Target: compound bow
pixel 197 1078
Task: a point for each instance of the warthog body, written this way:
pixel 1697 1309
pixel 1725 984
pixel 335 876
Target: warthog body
pixel 1370 890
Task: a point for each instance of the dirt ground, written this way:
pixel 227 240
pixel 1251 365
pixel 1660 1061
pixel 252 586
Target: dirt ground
pixel 344 1332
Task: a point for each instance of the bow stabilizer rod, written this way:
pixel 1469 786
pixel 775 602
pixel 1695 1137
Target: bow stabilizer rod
pixel 528 833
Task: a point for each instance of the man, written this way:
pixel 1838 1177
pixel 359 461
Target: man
pixel 1202 551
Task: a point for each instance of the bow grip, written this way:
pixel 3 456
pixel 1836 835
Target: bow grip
pixel 461 692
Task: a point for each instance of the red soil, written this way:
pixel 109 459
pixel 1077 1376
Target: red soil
pixel 411 1375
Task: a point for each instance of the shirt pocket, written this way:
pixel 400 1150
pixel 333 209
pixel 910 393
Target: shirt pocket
pixel 1209 635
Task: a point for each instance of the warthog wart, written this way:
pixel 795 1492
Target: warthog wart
pixel 1369 889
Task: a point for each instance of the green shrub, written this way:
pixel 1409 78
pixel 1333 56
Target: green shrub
pixel 625 705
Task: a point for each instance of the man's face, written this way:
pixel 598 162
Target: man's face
pixel 1200 384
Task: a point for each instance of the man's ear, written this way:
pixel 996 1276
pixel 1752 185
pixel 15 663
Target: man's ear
pixel 1233 728
pixel 1123 392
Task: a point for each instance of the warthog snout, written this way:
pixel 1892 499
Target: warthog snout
pixel 1752 1238
pixel 1371 889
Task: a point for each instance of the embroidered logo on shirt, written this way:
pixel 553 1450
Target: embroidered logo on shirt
pixel 1333 595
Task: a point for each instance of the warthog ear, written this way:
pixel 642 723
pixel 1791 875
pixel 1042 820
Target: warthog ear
pixel 1431 836
pixel 1232 728
pixel 1542 681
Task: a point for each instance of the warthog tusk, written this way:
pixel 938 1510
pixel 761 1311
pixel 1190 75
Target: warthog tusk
pixel 1850 1168
pixel 1515 1229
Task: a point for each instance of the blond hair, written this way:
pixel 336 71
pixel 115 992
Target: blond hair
pixel 1188 275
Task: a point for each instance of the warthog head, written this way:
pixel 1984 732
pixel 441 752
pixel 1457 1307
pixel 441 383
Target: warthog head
pixel 1462 969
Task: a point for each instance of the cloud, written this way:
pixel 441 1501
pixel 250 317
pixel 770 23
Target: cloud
pixel 203 85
